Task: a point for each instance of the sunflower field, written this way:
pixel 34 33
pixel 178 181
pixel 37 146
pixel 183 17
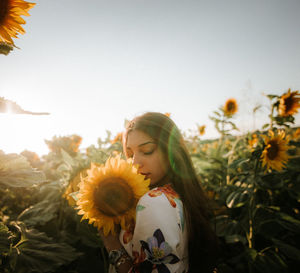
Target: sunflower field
pixel 252 180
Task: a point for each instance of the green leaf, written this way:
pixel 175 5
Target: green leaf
pixel 39 253
pixel 272 96
pixel 271 181
pixel 16 171
pixel 40 213
pixel 257 108
pixel 289 250
pixel 237 199
pixel 236 238
pixel 266 125
pixel 269 262
pixel 252 253
pixel 238 163
pixel 5 235
pixel 21 178
pixel 217 113
pixel 68 159
pixel 289 222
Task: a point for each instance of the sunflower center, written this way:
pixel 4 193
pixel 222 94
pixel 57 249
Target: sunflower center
pixel 113 197
pixel 273 150
pixel 230 107
pixel 3 10
pixel 288 103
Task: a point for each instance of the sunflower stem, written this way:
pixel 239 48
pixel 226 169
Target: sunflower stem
pixel 271 117
pixel 105 264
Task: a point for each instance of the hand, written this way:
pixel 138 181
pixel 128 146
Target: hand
pixel 111 241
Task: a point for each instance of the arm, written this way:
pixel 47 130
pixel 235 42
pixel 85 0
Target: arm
pixel 112 242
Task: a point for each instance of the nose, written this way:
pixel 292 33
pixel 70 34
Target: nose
pixel 137 160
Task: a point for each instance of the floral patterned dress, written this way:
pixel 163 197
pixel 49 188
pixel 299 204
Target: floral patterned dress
pixel 157 242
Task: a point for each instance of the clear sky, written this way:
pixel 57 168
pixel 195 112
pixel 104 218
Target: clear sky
pixel 93 63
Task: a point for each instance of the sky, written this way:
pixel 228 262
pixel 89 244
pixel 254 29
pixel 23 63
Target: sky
pixel 92 64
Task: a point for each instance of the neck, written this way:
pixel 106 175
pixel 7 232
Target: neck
pixel 164 181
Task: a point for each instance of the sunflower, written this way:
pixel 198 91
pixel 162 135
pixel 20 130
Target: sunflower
pixel 201 130
pixel 73 188
pixel 230 107
pixel 10 18
pixel 275 154
pixel 253 141
pixel 109 194
pixel 289 103
pixel 118 138
pixel 296 134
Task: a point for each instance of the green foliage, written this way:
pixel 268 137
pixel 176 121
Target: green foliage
pixel 257 215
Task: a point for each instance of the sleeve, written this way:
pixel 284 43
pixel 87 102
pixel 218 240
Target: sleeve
pixel 157 237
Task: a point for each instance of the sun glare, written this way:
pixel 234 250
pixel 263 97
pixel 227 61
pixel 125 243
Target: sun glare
pixel 21 132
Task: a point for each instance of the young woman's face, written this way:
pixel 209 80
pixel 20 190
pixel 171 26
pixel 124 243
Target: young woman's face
pixel 145 152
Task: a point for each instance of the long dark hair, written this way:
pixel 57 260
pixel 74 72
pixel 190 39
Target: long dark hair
pixel 202 241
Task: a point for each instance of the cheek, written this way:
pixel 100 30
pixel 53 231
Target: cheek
pixel 162 165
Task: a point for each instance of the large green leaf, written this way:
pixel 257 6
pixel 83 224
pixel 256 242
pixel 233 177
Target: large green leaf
pixel 271 181
pixel 238 162
pixel 289 222
pixel 40 213
pixel 21 178
pixel 235 238
pixel 16 171
pixel 269 262
pixel 238 198
pixel 290 251
pixel 5 235
pixel 36 252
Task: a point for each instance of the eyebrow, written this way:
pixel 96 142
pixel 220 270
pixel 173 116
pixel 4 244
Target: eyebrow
pixel 143 144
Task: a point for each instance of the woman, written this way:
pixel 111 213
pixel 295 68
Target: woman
pixel 172 232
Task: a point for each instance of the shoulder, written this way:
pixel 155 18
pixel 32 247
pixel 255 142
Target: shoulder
pixel 165 195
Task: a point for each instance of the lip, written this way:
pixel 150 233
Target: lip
pixel 146 175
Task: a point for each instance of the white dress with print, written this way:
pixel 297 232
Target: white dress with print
pixel 158 242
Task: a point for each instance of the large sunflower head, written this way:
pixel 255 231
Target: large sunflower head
pixel 289 103
pixel 109 194
pixel 10 18
pixel 230 107
pixel 274 155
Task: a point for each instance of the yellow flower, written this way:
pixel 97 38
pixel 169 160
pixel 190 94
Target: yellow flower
pixel 109 194
pixel 168 114
pixel 73 187
pixel 118 138
pixel 201 130
pixel 228 143
pixel 69 143
pixel 230 107
pixel 275 153
pixel 10 18
pixel 289 103
pixel 296 134
pixel 253 141
pixel 205 147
